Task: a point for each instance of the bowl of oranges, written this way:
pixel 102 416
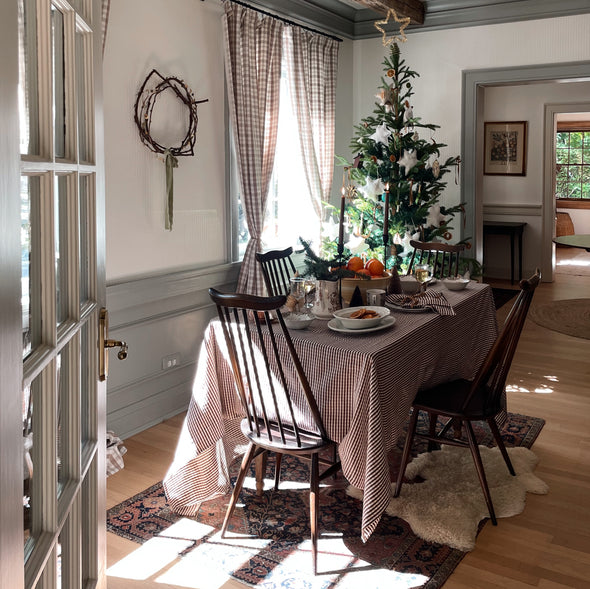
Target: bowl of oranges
pixel 372 275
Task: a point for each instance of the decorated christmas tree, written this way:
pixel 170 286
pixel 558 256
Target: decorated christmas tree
pixel 391 189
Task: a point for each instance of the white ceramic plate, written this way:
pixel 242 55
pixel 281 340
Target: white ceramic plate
pixel 335 325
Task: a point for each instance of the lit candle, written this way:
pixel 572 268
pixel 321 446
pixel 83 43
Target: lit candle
pixel 341 228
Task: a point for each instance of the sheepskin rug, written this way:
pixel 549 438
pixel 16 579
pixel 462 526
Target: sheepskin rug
pixel 447 506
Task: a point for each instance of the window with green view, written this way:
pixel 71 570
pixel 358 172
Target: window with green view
pixel 572 165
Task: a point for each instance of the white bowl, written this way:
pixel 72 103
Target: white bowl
pixel 455 283
pixel 353 323
pixel 409 284
pixel 298 320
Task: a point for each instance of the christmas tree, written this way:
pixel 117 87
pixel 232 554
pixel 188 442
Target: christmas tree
pixel 396 176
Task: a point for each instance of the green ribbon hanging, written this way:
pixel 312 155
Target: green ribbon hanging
pixel 171 163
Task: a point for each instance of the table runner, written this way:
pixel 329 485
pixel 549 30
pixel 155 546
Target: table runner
pixel 364 386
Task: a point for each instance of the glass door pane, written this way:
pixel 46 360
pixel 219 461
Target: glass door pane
pixel 28 87
pixel 81 82
pixel 29 196
pixel 59 100
pixel 83 254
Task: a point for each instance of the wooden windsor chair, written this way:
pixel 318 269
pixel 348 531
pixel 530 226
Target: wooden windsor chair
pixel 444 257
pixel 273 388
pixel 277 269
pixel 463 401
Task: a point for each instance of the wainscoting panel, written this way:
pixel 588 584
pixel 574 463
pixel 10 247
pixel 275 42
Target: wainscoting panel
pixel 162 318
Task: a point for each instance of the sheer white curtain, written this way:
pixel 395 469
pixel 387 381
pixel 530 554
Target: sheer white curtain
pixel 312 63
pixel 253 53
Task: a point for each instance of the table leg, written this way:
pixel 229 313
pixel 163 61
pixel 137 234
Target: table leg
pixel 260 472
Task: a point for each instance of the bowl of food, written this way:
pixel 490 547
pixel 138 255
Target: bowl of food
pixel 298 320
pixel 361 317
pixel 457 283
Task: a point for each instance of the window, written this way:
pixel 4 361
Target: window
pixel 289 210
pixel 572 177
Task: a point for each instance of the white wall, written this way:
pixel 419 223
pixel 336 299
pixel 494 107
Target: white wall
pixel 184 39
pixel 440 57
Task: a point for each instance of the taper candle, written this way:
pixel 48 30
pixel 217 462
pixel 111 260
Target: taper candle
pixel 341 228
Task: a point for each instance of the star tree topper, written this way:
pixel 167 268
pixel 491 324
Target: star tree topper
pixel 404 22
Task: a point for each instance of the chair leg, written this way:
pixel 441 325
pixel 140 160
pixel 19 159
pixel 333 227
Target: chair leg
pixel 480 470
pixel 500 443
pixel 238 486
pixel 278 458
pixel 314 500
pixel 406 452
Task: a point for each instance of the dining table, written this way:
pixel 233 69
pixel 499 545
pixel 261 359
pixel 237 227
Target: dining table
pixel 364 385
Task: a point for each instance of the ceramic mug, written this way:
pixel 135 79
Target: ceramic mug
pixel 375 297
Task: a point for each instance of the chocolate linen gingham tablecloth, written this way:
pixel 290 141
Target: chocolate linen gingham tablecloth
pixel 364 385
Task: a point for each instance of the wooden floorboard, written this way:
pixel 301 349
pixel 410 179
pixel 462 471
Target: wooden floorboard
pixel 547 546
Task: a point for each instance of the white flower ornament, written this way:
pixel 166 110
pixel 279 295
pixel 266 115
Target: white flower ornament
pixel 372 189
pixel 408 160
pixel 381 134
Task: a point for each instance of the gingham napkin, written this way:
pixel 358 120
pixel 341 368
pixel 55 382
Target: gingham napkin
pixel 431 299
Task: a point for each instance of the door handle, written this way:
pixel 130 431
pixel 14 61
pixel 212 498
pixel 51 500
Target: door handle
pixel 104 344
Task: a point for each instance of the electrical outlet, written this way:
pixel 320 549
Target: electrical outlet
pixel 171 361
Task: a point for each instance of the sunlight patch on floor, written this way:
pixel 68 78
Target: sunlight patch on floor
pixel 542 388
pixel 186 555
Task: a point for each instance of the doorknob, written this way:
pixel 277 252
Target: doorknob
pixel 104 344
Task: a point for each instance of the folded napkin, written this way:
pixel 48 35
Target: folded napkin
pixel 431 299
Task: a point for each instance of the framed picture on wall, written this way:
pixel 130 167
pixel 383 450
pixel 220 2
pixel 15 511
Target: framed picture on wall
pixel 505 148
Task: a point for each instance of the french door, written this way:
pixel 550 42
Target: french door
pixel 52 265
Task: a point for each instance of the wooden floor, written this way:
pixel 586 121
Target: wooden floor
pixel 547 546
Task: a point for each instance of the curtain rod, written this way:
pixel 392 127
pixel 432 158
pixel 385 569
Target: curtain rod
pixel 286 20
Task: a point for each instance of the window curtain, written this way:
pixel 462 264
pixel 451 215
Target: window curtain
pixel 312 63
pixel 253 53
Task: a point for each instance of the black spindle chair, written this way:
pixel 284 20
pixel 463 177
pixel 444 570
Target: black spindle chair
pixel 277 269
pixel 273 388
pixel 481 399
pixel 444 257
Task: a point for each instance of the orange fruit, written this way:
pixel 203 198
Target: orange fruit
pixel 355 264
pixel 364 272
pixel 375 267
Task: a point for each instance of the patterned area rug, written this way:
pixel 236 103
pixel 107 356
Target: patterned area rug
pixel 268 545
pixel 570 316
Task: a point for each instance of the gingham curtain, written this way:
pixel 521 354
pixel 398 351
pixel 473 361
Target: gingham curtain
pixel 312 65
pixel 253 52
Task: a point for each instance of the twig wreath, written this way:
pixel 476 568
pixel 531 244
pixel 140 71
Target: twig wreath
pixel 145 102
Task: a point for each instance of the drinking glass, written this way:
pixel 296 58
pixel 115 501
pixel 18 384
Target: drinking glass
pixel 309 287
pixel 298 292
pixel 423 274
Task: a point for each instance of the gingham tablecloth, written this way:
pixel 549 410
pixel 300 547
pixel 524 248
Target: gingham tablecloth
pixel 364 385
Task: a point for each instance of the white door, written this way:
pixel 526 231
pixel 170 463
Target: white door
pixel 52 422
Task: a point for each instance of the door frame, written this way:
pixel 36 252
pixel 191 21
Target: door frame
pixel 11 457
pixel 473 85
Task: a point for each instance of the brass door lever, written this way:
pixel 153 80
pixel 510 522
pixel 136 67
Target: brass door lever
pixel 104 344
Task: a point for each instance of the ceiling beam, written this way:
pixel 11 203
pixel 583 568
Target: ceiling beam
pixel 412 8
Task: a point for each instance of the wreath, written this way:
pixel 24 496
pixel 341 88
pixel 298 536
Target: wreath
pixel 150 90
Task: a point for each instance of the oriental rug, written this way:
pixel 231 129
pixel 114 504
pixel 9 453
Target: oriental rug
pixel 570 316
pixel 268 545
